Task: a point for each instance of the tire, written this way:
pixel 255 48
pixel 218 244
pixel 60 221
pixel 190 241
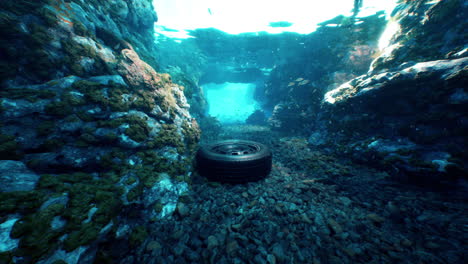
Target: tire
pixel 234 161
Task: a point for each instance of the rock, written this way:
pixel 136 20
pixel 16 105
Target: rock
pixel 271 259
pixel 317 139
pixel 179 249
pixel 212 242
pixel 14 176
pixel 182 209
pixel 431 245
pixel 6 242
pixel 306 219
pixel 375 218
pixel 406 242
pixel 57 223
pixel 278 252
pixel 345 201
pixel 278 209
pixel 153 245
pixel 334 226
pixel 259 259
pixel 257 118
pixel 232 247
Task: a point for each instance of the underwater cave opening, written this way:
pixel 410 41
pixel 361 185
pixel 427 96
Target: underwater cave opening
pixel 229 102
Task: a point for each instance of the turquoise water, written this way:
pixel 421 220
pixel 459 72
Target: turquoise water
pixel 230 102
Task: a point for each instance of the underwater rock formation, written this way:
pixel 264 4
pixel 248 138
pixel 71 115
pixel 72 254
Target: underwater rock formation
pixel 327 58
pixel 408 112
pixel 101 141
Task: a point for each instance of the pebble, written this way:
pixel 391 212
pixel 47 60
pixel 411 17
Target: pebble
pixel 431 245
pixel 306 219
pixel 153 245
pixel 375 218
pixel 182 209
pixel 212 242
pixel 266 223
pixel 231 247
pixel 279 210
pixel 278 252
pixel 334 226
pixel 350 252
pixel 259 259
pixel 407 243
pixel 271 259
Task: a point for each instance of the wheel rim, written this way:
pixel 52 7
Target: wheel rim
pixel 235 149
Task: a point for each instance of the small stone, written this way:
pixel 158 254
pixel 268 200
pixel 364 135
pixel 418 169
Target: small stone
pixel 407 243
pixel 182 209
pixel 334 226
pixel 345 201
pixel 153 245
pixel 271 259
pixel 178 250
pixel 306 219
pixel 178 234
pixel 278 252
pixel 231 247
pixel 431 245
pixel 245 194
pixel 279 210
pixel 212 242
pixel 375 218
pixel 236 227
pixel 349 251
pixel 259 259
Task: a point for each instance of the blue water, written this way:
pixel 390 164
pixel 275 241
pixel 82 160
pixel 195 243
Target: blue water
pixel 230 102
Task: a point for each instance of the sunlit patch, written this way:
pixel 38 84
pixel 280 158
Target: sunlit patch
pixel 390 30
pixel 230 102
pixel 241 16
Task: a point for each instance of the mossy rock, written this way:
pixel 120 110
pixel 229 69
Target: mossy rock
pixel 84 192
pixel 59 109
pixel 30 95
pixel 9 148
pixel 80 29
pixel 46 128
pixel 138 236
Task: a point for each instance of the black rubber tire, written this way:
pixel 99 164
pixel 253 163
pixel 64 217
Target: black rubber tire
pixel 234 161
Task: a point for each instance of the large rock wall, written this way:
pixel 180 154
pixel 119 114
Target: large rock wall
pixel 94 143
pixel 324 59
pixel 408 112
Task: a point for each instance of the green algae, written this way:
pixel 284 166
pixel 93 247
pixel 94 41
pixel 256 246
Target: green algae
pixel 158 207
pixel 84 191
pixel 131 180
pixel 167 136
pixel 134 193
pixel 138 236
pixel 46 128
pixel 191 136
pixel 138 130
pixel 31 95
pixel 80 29
pixel 9 148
